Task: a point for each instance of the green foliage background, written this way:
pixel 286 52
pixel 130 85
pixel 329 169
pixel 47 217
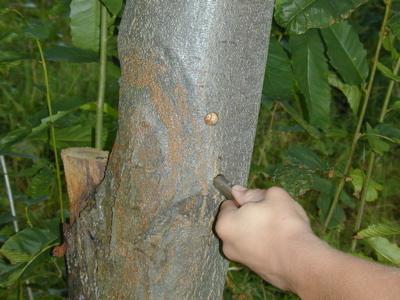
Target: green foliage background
pixel 328 129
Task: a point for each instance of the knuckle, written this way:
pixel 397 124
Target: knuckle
pixel 275 191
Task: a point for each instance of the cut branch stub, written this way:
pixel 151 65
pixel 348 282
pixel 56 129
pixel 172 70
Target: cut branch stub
pixel 84 170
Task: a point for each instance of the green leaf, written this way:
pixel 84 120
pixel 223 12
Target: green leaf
pixel 294 179
pixel 70 54
pixel 113 6
pixel 13 137
pixel 378 230
pixel 85 24
pixel 302 156
pixel 311 72
pixel 75 136
pixel 9 273
pixel 351 92
pixel 390 132
pixel 346 53
pixel 40 185
pixel 279 79
pixel 300 15
pixel 27 243
pixel 9 56
pixel 37 29
pixel 387 72
pixel 357 179
pixel 311 130
pixel 385 248
pixel 375 141
pixel 394 24
pixel 6 218
pixel 396 105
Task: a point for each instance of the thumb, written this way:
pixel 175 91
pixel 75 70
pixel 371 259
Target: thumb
pixel 243 195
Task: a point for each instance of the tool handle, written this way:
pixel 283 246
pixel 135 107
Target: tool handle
pixel 224 186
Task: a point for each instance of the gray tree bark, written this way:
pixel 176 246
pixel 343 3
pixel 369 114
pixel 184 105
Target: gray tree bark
pixel 192 74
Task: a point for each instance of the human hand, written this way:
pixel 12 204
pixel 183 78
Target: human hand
pixel 264 232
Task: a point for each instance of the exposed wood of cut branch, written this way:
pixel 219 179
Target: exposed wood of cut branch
pixel 84 170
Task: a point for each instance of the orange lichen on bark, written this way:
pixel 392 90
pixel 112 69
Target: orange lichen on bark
pixel 146 76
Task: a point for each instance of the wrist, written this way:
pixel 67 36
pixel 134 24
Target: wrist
pixel 294 259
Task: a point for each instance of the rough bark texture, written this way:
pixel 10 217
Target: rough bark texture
pixel 148 232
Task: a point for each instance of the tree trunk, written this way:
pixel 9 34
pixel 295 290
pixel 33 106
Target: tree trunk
pixel 192 74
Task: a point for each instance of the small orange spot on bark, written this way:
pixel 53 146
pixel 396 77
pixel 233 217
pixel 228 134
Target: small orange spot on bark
pixel 211 118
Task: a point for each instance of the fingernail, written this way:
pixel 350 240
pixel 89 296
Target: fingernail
pixel 239 188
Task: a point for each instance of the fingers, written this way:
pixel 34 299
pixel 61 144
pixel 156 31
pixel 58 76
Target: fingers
pixel 224 218
pixel 243 195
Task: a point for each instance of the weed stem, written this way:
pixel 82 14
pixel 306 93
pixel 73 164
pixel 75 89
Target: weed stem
pixel 102 77
pixel 371 161
pixel 357 132
pixel 52 131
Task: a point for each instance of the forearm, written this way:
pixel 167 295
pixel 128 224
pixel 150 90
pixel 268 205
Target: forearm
pixel 317 271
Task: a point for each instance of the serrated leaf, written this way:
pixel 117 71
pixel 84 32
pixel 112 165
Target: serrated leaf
pixel 24 245
pixel 385 248
pixel 346 53
pixel 379 230
pixel 351 92
pixel 311 72
pixel 279 79
pixel 387 72
pixel 113 6
pixel 85 24
pixel 300 15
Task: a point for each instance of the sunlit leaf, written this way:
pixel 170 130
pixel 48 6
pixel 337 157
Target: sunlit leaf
pixel 357 180
pixel 385 248
pixel 311 72
pixel 378 230
pixel 85 24
pixel 300 15
pixel 346 53
pixel 352 92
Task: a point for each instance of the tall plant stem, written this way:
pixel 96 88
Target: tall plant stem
pixel 52 131
pixel 361 117
pixel 102 76
pixel 372 157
